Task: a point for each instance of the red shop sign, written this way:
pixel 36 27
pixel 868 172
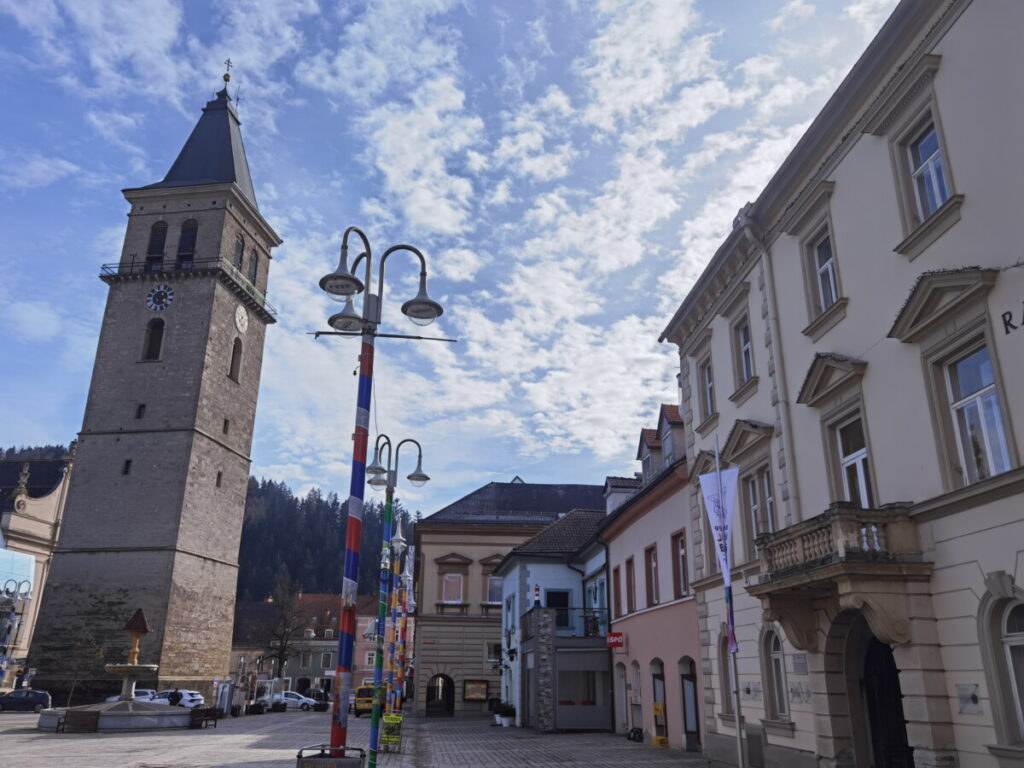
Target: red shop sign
pixel 616 640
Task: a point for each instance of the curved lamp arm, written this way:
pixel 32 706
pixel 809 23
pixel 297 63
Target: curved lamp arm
pixel 380 279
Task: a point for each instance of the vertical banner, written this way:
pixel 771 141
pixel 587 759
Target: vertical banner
pixel 719 491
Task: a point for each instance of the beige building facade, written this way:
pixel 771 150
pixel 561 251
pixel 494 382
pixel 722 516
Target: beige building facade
pixel 855 346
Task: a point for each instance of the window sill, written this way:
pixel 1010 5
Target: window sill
pixel 827 320
pixel 744 391
pixel 708 424
pixel 156 360
pixel 1007 754
pixel 780 727
pixel 931 229
pixel 728 718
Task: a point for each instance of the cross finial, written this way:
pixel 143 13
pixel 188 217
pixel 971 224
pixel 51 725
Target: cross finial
pixel 229 65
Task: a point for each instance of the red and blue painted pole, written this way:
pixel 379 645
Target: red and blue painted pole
pixel 353 532
pixel 393 631
pixel 382 604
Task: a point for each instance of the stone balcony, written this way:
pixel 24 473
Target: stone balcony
pixel 844 558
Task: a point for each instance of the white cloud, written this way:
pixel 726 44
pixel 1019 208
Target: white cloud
pixel 31 321
pixel 459 264
pixel 793 11
pixel 868 14
pixel 524 149
pixel 35 171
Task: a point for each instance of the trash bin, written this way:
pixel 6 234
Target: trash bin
pixel 353 757
pixel 236 710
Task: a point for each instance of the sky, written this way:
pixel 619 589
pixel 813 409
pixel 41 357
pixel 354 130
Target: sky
pixel 567 166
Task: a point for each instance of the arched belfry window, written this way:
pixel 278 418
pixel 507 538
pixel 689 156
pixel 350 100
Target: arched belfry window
pixel 154 340
pixel 239 251
pixel 187 244
pixel 236 360
pixel 254 266
pixel 155 249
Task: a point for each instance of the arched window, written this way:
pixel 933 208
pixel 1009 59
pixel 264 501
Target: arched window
pixel 187 244
pixel 725 676
pixel 154 340
pixel 1013 642
pixel 239 251
pixel 155 249
pixel 254 266
pixel 773 664
pixel 236 359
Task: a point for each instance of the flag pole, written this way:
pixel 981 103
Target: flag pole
pixel 731 628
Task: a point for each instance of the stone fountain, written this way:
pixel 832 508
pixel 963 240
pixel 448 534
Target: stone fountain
pixel 127 713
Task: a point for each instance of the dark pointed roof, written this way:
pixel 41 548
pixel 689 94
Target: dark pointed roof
pixel 564 537
pixel 518 504
pixel 214 153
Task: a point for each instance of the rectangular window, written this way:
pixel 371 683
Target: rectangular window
pixel 617 591
pixel 759 497
pixel 927 171
pixel 328 634
pixel 744 352
pixel 327 660
pixel 559 600
pixel 140 411
pixel 651 573
pixel 127 468
pixel 220 478
pixel 977 416
pixel 707 388
pixel 451 589
pixel 226 427
pixel 305 660
pixel 825 272
pixel 853 462
pixel 494 585
pixel 680 575
pixel 369 660
pixel 630 586
pixel 493 651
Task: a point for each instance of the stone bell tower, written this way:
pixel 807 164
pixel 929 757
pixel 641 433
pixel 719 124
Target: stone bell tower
pixel 154 511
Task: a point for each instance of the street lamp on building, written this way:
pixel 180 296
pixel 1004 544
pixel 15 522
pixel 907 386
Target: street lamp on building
pixel 343 284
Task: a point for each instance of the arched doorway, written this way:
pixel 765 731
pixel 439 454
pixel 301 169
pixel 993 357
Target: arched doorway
pixel 440 696
pixel 658 691
pixel 691 715
pixel 877 726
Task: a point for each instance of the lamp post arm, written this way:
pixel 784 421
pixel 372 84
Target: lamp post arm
pixel 380 279
pixel 399 449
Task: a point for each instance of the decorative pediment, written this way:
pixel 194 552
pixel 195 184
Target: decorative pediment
pixel 491 562
pixel 453 562
pixel 744 436
pixel 704 463
pixel 807 210
pixel 900 94
pixel 937 296
pixel 828 374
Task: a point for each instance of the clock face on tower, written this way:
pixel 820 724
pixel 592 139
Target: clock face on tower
pixel 160 297
pixel 241 318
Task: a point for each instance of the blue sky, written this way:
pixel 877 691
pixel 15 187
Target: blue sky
pixel 567 167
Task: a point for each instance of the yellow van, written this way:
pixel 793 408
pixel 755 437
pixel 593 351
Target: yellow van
pixel 364 700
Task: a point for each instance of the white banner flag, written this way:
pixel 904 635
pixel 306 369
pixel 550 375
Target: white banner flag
pixel 720 514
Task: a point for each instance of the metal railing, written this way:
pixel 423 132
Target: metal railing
pixel 153 264
pixel 568 622
pixel 840 534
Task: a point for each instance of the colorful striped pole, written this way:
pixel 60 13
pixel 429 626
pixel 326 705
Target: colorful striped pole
pixel 400 654
pixel 396 561
pixel 353 532
pixel 382 607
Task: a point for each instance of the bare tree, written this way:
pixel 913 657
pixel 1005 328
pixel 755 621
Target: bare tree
pixel 286 633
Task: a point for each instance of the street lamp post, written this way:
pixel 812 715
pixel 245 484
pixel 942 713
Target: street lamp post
pixel 385 476
pixel 403 652
pixel 422 310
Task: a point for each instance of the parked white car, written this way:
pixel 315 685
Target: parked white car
pixel 190 699
pixel 141 694
pixel 295 700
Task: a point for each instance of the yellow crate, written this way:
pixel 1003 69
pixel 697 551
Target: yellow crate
pixel 659 741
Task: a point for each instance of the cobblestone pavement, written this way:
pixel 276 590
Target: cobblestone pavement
pixel 272 740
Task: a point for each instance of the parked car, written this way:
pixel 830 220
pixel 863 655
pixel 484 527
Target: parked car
pixel 295 700
pixel 364 700
pixel 25 700
pixel 190 699
pixel 141 694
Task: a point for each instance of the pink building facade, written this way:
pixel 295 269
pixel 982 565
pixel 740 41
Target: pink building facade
pixel 656 668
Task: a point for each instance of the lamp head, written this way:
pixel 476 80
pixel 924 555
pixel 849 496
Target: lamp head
pixel 398 540
pixel 341 282
pixel 418 477
pixel 422 309
pixel 346 320
pixel 376 469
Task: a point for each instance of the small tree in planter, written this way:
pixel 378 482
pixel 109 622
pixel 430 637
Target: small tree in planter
pixel 507 712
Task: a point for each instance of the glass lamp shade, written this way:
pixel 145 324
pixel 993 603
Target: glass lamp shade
pixel 376 469
pixel 346 320
pixel 418 477
pixel 341 282
pixel 422 309
pixel 378 482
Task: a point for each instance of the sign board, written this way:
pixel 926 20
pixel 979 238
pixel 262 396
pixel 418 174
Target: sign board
pixel 616 640
pixel 391 733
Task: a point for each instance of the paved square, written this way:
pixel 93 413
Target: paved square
pixel 272 740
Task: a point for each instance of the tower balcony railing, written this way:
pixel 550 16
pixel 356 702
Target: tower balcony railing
pixel 568 622
pixel 157 264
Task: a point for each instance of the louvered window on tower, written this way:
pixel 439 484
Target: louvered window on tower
pixel 154 340
pixel 254 266
pixel 187 244
pixel 236 360
pixel 155 249
pixel 239 251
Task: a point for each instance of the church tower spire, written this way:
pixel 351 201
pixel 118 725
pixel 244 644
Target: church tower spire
pixel 154 511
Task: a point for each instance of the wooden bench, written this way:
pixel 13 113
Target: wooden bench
pixel 201 717
pixel 77 721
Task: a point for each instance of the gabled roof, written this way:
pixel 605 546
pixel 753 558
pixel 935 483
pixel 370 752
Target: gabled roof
pixel 649 439
pixel 214 153
pixel 671 414
pixel 565 536
pixel 621 482
pixel 518 503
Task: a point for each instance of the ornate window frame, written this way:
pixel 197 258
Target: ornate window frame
pixel 1007 717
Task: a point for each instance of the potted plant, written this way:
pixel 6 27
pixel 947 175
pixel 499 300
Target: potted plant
pixel 507 712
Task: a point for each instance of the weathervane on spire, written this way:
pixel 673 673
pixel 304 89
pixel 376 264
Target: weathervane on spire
pixel 227 75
